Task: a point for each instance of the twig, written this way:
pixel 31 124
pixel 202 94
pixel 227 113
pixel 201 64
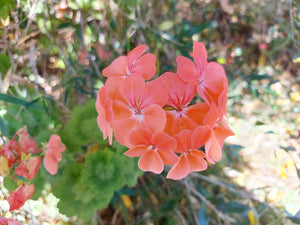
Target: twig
pixel 231 189
pixel 221 215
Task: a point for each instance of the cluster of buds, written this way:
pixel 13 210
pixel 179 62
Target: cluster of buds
pixel 164 121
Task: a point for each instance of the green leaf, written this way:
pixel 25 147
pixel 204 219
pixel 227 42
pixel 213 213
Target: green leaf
pixel 6 7
pixel 9 184
pixel 15 100
pixel 4 61
pixel 166 25
pixel 82 129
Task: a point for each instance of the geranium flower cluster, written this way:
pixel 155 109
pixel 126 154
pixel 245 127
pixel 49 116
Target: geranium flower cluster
pixel 22 156
pixel 160 120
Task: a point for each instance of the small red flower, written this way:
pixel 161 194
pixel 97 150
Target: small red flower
pixel 28 168
pixel 18 197
pixel 53 154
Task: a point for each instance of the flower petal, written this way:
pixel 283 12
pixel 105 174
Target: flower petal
pixel 187 70
pixel 163 141
pixel 140 136
pixel 183 141
pixel 145 66
pixel 136 151
pixel 151 161
pixel 168 157
pixel 200 55
pixel 213 150
pixel 154 118
pixel 50 164
pixel 200 136
pixel 196 161
pixel 154 93
pixel 131 89
pixel 123 129
pixel 180 94
pixel 18 197
pixel 135 53
pixel 180 170
pixel 198 112
pixel 118 67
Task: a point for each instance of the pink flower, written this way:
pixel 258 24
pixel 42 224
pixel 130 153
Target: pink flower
pixel 155 149
pixel 211 80
pixel 53 154
pixel 142 108
pixel 191 159
pixel 18 197
pixel 135 63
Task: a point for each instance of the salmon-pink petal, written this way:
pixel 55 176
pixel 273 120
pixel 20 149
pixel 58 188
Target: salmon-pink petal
pixel 51 164
pixel 123 129
pixel 151 161
pixel 140 136
pixel 213 150
pixel 183 141
pixel 168 158
pixel 55 144
pixel 200 55
pixel 137 151
pixel 118 67
pixel 104 104
pixel 154 118
pixel 180 93
pixel 106 128
pixel 145 66
pixel 221 134
pixel 200 136
pixel 197 112
pixel 196 161
pixel 163 141
pixel 212 116
pixel 112 85
pixel 224 124
pixel 154 93
pixel 135 53
pixel 18 197
pixel 182 123
pixel 180 170
pixel 121 110
pixel 187 70
pixel 213 83
pixel 131 89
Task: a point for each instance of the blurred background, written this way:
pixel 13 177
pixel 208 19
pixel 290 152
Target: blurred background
pixel 51 57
